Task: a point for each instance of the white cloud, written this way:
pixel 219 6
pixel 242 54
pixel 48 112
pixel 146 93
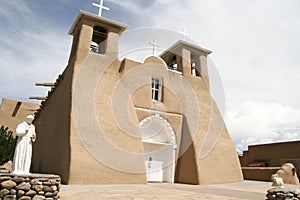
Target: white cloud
pixel 256 123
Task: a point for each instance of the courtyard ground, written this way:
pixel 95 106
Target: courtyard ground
pixel 244 190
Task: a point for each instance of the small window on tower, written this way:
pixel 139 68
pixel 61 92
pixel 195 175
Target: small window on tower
pixel 98 44
pixel 156 89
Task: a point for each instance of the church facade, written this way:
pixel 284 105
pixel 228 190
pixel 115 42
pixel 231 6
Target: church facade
pixel 111 121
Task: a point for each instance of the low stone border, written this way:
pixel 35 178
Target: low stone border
pixel 283 193
pixel 27 187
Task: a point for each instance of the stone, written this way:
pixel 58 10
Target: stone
pixel 9 184
pixel 43 179
pixel 37 188
pixel 49 194
pixel 289 194
pixel 30 193
pixel 4 178
pixel 4 192
pixel 18 179
pixel 46 188
pixel 10 197
pixel 25 198
pixel 47 183
pixel 35 182
pixel 23 186
pixel 49 198
pixel 53 188
pixel 53 181
pixel 20 193
pixel 13 191
pixel 41 193
pixel 38 197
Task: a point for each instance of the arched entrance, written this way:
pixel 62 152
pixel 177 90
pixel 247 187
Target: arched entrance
pixel 160 146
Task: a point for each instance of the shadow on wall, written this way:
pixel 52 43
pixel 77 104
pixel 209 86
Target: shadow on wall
pixel 51 151
pixel 186 167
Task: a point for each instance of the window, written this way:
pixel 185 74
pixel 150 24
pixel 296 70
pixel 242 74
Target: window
pixel 98 44
pixel 156 89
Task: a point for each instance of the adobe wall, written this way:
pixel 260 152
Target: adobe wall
pixel 199 162
pixel 51 151
pixel 259 173
pixel 13 112
pixel 274 153
pixel 106 153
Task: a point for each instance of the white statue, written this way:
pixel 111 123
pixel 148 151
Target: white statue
pixel 26 135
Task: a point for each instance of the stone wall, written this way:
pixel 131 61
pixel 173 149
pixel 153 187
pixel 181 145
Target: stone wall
pixel 27 187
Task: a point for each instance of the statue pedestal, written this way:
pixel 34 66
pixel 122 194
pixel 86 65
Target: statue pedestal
pixel 29 186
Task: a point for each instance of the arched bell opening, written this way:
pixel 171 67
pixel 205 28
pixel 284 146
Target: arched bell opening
pixel 98 43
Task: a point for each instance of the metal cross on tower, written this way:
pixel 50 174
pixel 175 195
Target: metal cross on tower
pixel 184 34
pixel 155 45
pixel 101 7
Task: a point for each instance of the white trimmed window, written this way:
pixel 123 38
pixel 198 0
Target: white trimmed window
pixel 156 88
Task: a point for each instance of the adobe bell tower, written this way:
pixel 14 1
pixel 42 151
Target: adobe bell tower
pixel 94 34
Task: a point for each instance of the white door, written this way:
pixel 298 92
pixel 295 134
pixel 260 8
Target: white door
pixel 154 171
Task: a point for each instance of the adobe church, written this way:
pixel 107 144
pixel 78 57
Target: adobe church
pixel 111 121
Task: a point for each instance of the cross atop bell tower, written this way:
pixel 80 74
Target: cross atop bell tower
pixel 101 7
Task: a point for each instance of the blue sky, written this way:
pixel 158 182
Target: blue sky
pixel 255 44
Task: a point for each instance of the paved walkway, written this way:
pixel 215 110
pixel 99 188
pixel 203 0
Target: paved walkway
pixel 245 190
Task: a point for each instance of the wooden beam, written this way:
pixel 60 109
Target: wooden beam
pixel 38 98
pixel 45 84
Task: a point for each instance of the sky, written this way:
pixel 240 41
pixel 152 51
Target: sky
pixel 255 45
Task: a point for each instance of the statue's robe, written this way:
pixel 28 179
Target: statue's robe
pixel 23 151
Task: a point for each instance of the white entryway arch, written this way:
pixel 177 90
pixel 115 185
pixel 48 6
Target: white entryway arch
pixel 160 146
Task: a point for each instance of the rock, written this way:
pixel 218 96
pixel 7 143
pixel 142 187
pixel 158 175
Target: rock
pixel 10 197
pixel 18 179
pixel 9 184
pixel 49 194
pixel 56 194
pixel 282 193
pixel 46 188
pixel 289 194
pixel 23 186
pixel 41 193
pixel 4 192
pixel 37 188
pixel 43 179
pixel 13 191
pixel 38 197
pixel 35 182
pixel 20 193
pixel 25 198
pixel 47 183
pixel 53 188
pixel 49 198
pixel 30 193
pixel 4 178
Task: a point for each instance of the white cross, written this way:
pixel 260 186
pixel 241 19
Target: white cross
pixel 155 45
pixel 101 7
pixel 184 34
